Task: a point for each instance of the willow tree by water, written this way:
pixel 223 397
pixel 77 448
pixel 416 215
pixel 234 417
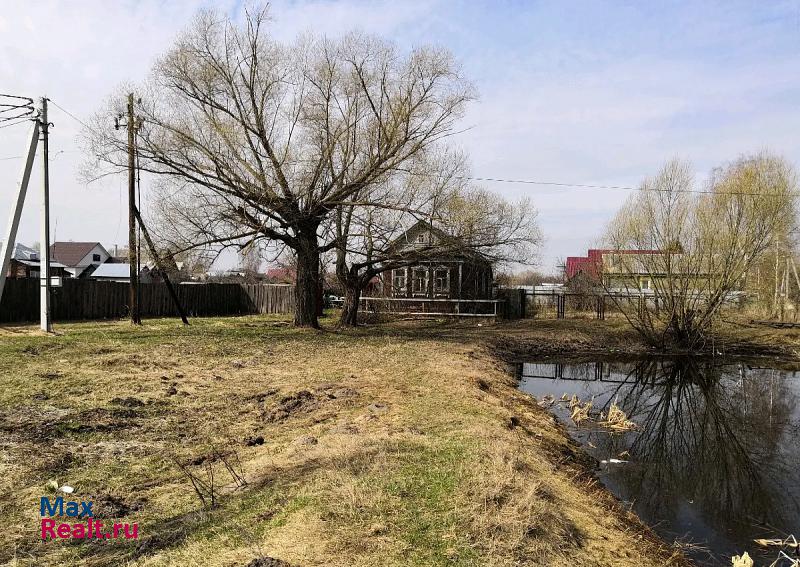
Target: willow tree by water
pixel 677 254
pixel 258 141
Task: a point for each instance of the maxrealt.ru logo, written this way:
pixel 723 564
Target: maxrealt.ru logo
pixel 88 528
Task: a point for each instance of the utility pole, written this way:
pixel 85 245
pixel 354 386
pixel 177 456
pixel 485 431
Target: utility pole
pixel 44 242
pixel 133 291
pixel 133 124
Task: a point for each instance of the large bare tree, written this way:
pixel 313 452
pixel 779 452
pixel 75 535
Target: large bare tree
pixel 677 255
pixel 257 140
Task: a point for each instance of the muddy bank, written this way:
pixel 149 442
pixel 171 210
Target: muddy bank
pixel 535 427
pixel 538 338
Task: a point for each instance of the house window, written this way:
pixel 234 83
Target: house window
pixel 95 257
pixel 441 281
pixel 399 281
pixel 419 279
pixel 421 237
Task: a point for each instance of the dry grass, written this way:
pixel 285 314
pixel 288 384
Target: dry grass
pixel 380 447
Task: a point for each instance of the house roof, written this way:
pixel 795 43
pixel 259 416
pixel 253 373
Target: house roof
pixel 70 253
pixel 455 249
pixel 282 274
pixel 34 263
pixel 116 271
pixel 22 252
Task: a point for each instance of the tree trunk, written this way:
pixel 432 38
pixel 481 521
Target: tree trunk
pixel 307 284
pixel 352 298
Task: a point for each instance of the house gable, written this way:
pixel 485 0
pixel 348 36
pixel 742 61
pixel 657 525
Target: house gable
pixel 79 257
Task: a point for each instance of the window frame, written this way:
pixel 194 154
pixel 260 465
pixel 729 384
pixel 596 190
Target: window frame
pixel 426 280
pixel 398 273
pixel 96 257
pixel 445 289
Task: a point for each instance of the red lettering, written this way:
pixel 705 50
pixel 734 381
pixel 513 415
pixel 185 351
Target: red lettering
pixel 134 532
pixel 47 528
pixel 64 531
pixel 79 531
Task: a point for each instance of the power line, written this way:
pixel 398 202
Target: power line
pixel 540 182
pixel 613 187
pixel 53 155
pixel 20 121
pixel 15 109
pixel 68 113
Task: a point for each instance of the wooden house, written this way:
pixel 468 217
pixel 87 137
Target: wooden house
pixel 443 269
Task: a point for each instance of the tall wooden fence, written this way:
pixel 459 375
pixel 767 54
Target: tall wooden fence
pixel 90 299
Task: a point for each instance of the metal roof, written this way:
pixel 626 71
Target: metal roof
pixel 116 271
pixel 22 252
pixel 36 263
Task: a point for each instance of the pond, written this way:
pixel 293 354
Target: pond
pixel 714 460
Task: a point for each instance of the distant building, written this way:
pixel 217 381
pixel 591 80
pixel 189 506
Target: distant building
pixel 25 264
pixel 80 258
pixel 614 268
pixel 281 275
pixel 116 272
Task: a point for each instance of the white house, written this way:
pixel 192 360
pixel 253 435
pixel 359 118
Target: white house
pixel 80 258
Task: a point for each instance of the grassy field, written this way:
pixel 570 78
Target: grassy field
pixel 391 445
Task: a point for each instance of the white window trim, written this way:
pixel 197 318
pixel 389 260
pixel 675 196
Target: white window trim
pixel 446 289
pixel 424 291
pixel 396 273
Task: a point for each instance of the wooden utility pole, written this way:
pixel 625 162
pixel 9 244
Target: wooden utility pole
pixel 133 295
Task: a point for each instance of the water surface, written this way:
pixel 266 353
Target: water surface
pixel 715 461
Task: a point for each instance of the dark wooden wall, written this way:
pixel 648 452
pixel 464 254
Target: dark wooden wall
pixel 89 299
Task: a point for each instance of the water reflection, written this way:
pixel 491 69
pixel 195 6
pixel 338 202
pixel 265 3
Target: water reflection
pixel 715 459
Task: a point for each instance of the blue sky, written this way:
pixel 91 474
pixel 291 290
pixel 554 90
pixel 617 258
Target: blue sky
pixel 577 92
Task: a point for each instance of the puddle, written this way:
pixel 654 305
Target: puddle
pixel 715 460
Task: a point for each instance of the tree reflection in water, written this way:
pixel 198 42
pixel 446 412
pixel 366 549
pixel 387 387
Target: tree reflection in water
pixel 716 453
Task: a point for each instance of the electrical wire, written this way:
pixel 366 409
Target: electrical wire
pixel 611 187
pixel 4 125
pixel 68 113
pixel 544 183
pixel 14 111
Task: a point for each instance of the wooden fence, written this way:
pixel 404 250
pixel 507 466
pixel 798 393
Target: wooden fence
pixel 90 299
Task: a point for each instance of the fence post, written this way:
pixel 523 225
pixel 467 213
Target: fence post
pixel 601 307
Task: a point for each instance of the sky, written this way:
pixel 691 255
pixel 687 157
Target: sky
pixel 594 93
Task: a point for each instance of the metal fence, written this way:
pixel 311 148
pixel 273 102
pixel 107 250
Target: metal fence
pixel 564 304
